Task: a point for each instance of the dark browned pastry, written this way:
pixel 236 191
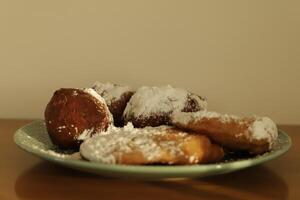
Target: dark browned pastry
pixel 116 97
pixel 153 106
pixel 73 115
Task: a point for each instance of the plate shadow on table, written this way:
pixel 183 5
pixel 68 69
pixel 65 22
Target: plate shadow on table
pixel 49 181
pixel 258 182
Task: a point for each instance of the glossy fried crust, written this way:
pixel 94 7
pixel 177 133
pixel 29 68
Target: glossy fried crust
pixel 196 150
pixel 174 148
pixel 233 135
pixel 70 112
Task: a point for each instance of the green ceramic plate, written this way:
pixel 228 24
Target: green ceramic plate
pixel 34 139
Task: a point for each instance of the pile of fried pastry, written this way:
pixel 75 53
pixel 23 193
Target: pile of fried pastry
pixel 115 124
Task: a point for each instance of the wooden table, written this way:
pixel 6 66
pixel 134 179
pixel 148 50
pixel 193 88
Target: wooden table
pixel 23 176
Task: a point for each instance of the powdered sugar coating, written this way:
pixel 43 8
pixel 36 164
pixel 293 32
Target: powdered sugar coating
pixel 107 147
pixel 87 133
pixel 164 99
pixel 259 128
pixel 93 93
pixel 53 153
pixel 110 92
pixel 185 118
pixel 264 128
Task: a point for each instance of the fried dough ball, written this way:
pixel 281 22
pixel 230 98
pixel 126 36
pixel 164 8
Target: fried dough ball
pixel 72 115
pixel 152 106
pixel 116 97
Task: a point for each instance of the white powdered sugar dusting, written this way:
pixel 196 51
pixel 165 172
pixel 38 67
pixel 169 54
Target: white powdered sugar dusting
pixel 187 117
pixel 93 93
pixel 109 91
pixel 87 133
pixel 164 99
pixel 51 152
pixel 106 147
pixel 259 128
pixel 201 101
pixel 264 128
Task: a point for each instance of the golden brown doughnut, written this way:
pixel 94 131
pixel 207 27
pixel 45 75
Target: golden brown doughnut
pixel 255 135
pixel 150 145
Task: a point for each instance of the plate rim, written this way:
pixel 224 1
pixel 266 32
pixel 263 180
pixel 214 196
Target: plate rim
pixel 217 168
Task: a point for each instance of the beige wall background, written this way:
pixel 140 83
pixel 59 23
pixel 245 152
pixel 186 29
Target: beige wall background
pixel 242 55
